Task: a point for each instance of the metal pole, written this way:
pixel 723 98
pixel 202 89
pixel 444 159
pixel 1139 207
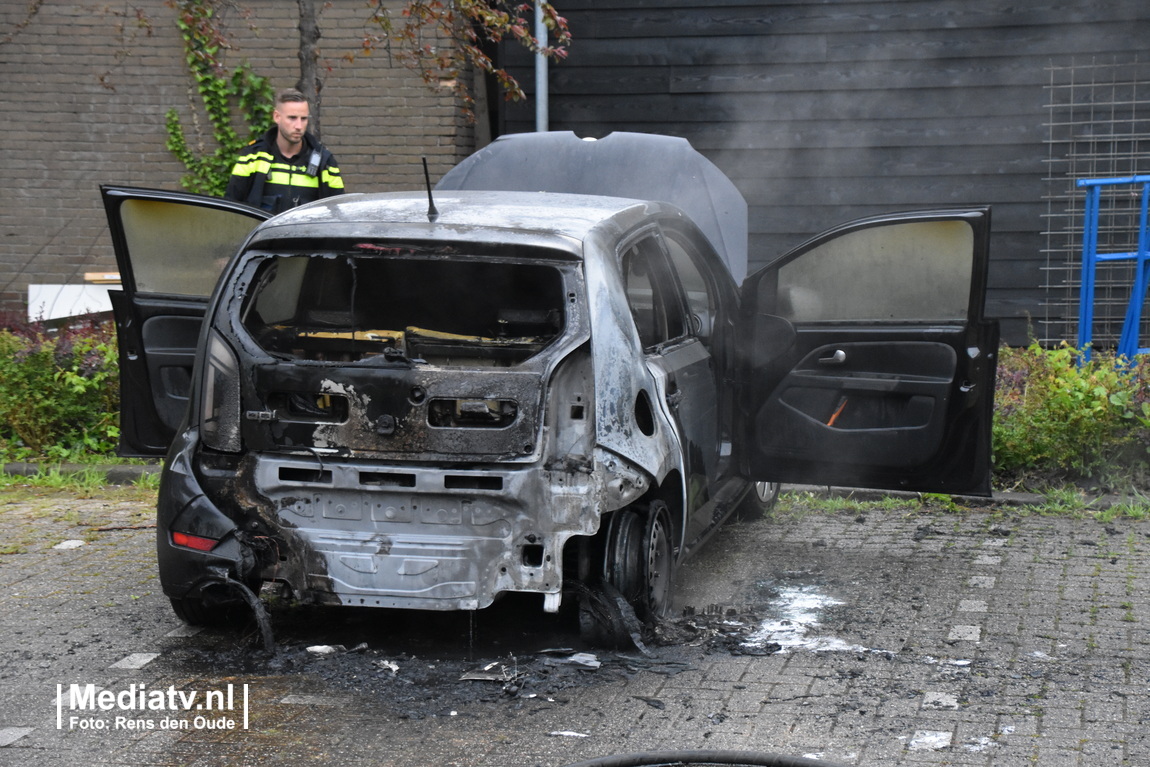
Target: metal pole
pixel 540 71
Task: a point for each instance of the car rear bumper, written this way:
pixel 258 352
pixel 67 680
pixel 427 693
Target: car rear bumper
pixel 408 536
pixel 182 506
pixel 364 533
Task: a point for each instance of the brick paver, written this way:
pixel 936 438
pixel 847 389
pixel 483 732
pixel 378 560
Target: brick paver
pixel 968 638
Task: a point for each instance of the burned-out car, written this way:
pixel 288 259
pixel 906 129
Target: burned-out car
pixel 544 373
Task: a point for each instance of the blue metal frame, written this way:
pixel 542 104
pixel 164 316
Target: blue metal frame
pixel 1128 346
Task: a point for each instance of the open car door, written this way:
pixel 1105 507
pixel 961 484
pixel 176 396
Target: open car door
pixel 171 248
pixel 868 362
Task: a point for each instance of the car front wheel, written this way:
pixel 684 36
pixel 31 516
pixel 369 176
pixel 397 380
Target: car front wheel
pixel 760 499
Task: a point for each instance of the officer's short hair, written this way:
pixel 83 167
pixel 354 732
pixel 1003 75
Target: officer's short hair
pixel 289 94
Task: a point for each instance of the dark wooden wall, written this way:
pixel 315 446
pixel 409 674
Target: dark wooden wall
pixel 823 112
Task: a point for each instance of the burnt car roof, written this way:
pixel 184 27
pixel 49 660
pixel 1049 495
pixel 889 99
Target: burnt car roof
pixel 557 220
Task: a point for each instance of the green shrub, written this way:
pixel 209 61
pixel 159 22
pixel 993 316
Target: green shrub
pixel 1058 417
pixel 59 393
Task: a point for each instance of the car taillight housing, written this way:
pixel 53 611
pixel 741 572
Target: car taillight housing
pixel 197 542
pixel 220 413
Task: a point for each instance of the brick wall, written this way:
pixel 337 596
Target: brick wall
pixel 85 91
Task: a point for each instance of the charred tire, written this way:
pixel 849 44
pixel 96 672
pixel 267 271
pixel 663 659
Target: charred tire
pixel 759 500
pixel 659 564
pixel 640 560
pixel 623 560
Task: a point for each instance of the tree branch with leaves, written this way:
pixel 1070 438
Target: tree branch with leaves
pixel 251 94
pixel 443 39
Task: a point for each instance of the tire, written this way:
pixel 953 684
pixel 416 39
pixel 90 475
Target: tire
pixel 759 500
pixel 659 562
pixel 623 559
pixel 640 558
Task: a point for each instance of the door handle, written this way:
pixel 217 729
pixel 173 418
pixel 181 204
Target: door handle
pixel 838 358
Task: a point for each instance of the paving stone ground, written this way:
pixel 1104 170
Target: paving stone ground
pixel 971 637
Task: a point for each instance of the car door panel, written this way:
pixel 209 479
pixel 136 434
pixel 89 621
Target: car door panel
pixel 864 402
pixel 169 344
pixel 850 382
pixel 170 248
pixel 692 400
pixel 157 343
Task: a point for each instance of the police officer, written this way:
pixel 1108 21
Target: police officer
pixel 285 167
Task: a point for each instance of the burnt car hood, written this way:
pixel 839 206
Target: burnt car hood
pixel 640 166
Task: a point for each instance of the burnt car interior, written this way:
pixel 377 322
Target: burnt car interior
pixel 352 308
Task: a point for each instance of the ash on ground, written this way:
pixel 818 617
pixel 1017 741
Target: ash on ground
pixel 461 660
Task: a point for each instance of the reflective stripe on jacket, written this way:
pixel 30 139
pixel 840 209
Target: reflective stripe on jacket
pixel 264 178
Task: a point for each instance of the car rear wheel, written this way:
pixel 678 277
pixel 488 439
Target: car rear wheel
pixel 660 561
pixel 640 558
pixel 636 576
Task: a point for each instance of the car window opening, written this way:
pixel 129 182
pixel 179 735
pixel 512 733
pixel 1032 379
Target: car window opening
pixel 652 295
pixel 437 311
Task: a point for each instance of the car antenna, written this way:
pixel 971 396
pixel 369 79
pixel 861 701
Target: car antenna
pixel 432 213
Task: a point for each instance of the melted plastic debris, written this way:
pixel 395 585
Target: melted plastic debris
pixel 492 672
pixel 578 660
pixel 326 649
pixel 387 665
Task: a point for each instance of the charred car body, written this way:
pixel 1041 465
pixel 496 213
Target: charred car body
pixel 375 401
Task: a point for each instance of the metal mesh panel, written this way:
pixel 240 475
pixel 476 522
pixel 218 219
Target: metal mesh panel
pixel 1099 127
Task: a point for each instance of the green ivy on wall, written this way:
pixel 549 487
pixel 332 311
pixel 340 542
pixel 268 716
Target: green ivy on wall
pixel 242 90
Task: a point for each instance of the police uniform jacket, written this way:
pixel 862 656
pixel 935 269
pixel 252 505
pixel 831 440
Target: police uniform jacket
pixel 264 178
